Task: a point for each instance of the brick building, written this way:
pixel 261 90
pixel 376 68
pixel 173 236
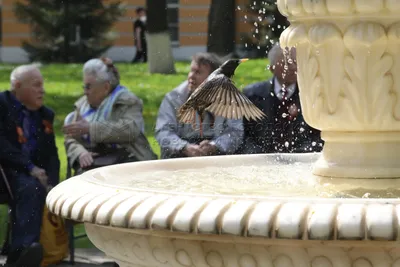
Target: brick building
pixel 187 22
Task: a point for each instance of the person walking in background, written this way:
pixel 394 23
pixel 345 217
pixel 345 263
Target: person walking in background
pixel 139 33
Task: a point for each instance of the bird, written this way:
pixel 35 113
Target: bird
pixel 219 96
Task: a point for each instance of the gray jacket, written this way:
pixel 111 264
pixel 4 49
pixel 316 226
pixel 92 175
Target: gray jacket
pixel 125 127
pixel 173 136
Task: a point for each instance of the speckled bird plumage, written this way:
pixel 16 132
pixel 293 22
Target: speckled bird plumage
pixel 219 96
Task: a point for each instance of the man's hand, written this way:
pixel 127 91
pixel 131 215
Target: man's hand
pixel 77 129
pixel 85 159
pixel 208 148
pixel 192 150
pixel 40 174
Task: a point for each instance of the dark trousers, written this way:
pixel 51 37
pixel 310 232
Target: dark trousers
pixel 141 56
pixel 27 214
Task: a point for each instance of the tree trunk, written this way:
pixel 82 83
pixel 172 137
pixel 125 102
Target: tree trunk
pixel 67 32
pixel 221 27
pixel 159 50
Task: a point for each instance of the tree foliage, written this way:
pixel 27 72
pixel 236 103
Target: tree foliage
pixel 68 31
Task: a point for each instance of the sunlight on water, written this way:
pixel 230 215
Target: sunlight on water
pixel 263 175
pixel 243 180
pixel 281 180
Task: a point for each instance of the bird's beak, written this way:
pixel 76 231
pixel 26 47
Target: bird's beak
pixel 243 60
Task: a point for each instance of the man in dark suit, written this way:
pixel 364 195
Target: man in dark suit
pixel 284 129
pixel 28 154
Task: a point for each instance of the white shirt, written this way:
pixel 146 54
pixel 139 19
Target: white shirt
pixel 279 92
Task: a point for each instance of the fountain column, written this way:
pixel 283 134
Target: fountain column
pixel 348 57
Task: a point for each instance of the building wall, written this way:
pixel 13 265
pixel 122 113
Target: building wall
pixel 187 20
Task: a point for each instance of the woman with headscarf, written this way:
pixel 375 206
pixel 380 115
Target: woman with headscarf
pixel 107 126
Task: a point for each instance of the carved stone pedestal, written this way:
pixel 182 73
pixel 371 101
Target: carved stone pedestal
pixel 348 56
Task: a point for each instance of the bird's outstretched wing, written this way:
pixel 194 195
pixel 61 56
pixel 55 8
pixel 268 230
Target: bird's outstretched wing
pixel 230 103
pixel 222 98
pixel 187 112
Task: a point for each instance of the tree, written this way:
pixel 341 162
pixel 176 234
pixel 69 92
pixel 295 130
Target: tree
pixel 221 27
pixel 160 58
pixel 68 31
pixel 268 23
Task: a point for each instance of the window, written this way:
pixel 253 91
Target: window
pixel 173 20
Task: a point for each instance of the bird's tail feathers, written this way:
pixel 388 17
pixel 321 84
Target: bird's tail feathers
pixel 187 115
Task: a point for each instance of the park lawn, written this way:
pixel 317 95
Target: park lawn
pixel 63 85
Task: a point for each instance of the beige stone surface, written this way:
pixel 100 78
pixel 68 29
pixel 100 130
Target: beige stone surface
pixel 348 64
pixel 139 227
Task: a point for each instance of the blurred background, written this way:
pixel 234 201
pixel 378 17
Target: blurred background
pixel 72 31
pixel 61 35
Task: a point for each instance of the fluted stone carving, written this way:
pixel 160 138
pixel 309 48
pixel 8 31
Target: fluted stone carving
pixel 276 219
pixel 346 75
pixel 145 227
pixel 348 69
pixel 139 249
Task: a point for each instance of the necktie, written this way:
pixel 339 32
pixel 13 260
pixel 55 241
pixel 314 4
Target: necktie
pixel 286 105
pixel 285 93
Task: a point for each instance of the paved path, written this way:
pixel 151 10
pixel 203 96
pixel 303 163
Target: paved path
pixel 84 258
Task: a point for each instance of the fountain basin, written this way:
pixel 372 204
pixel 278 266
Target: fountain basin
pixel 141 225
pixel 274 210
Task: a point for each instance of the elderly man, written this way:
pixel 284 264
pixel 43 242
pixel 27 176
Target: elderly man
pixel 220 136
pixel 284 129
pixel 28 154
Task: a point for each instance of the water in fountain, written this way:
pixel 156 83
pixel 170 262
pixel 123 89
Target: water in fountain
pixel 282 175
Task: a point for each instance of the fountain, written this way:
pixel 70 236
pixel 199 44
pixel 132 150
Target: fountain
pixel 337 208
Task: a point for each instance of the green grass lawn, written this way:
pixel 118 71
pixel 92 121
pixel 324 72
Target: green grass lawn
pixel 63 85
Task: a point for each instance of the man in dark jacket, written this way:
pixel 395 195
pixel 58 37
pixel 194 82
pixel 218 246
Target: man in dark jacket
pixel 284 130
pixel 28 154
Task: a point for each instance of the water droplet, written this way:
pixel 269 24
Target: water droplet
pixel 286 144
pixel 366 195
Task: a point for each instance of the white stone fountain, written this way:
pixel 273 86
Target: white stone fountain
pixel 274 210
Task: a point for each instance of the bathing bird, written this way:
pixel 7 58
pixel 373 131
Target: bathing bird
pixel 219 96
